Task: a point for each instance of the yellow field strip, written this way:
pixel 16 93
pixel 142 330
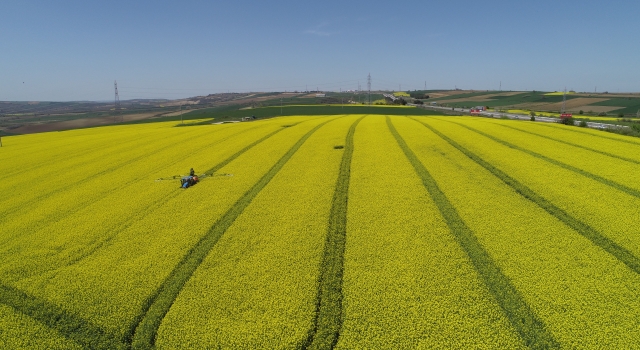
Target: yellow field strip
pixel 604 166
pixel 22 332
pixel 612 213
pixel 257 288
pixel 76 178
pixel 135 262
pixel 548 262
pixel 407 283
pixel 81 231
pixel 600 145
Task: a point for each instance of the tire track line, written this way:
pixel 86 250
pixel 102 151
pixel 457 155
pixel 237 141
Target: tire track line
pixel 524 320
pixel 328 316
pixel 71 326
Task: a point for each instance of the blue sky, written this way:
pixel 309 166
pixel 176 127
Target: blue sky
pixel 74 50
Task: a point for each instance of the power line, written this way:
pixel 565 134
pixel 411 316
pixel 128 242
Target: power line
pixel 369 87
pixel 116 100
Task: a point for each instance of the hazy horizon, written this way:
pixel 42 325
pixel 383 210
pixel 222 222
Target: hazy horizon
pixel 73 50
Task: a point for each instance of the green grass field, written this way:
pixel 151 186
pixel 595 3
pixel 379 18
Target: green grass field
pixel 377 228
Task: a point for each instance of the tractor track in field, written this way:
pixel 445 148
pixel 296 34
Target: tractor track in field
pixel 620 253
pixel 74 327
pixel 634 161
pixel 143 331
pixel 532 330
pixel 328 316
pixel 628 190
pixel 71 326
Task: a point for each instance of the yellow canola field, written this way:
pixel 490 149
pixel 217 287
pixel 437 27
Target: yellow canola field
pixel 605 142
pixel 258 286
pixel 87 223
pixel 123 272
pixel 610 211
pixel 21 332
pixel 585 297
pixel 607 167
pixel 407 284
pixel 89 237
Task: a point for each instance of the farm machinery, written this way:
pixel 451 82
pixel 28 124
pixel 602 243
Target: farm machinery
pixel 192 179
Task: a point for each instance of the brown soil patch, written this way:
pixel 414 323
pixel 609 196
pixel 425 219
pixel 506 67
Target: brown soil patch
pixel 180 102
pixel 78 123
pixel 175 114
pixel 573 103
pixel 595 109
pixel 530 105
pixel 481 98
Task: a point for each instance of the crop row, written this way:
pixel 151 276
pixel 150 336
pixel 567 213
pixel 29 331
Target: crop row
pixel 611 212
pixel 407 283
pixel 585 230
pixel 69 148
pixel 602 168
pixel 592 144
pixel 584 296
pixel 64 176
pixel 531 329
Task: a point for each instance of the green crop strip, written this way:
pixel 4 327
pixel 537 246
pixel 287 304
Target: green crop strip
pixel 620 187
pixel 531 329
pixel 328 319
pixel 619 252
pixel 52 316
pixel 144 330
pixel 571 144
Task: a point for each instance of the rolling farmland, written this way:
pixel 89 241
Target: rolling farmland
pixel 320 232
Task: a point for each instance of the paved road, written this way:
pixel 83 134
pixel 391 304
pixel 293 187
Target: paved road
pixel 593 125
